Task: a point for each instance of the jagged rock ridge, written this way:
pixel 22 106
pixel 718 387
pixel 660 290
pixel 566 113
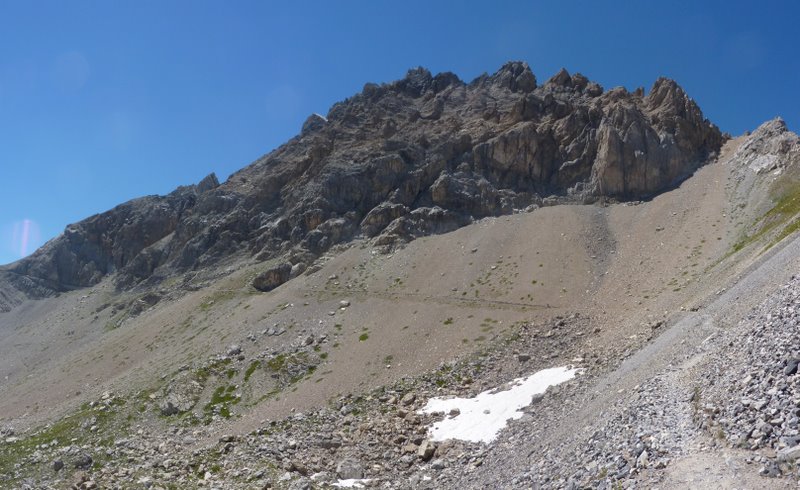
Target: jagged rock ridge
pixel 425 154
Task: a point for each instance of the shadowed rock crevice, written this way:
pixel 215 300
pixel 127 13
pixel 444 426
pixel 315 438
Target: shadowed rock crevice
pixel 424 154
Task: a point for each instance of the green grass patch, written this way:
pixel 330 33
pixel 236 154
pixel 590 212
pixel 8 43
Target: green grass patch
pixel 782 217
pixel 277 363
pixel 116 320
pixel 215 368
pixel 291 368
pixel 251 369
pixel 74 429
pixel 216 297
pixel 221 401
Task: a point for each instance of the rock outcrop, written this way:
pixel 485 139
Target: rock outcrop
pixel 771 147
pixel 272 278
pixel 425 154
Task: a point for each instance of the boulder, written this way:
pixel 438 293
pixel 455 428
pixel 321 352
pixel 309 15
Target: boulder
pixel 426 450
pixel 789 453
pixel 182 395
pixel 82 461
pixel 350 469
pixel 272 278
pixel 167 408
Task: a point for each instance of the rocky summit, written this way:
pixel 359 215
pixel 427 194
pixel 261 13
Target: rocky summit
pixel 422 155
pixel 437 285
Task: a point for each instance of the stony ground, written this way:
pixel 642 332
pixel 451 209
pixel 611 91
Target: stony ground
pixel 379 436
pixel 751 398
pixel 730 398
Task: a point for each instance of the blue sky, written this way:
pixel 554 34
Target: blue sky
pixel 101 102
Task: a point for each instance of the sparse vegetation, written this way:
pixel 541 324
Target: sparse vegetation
pixel 251 369
pixel 783 216
pixel 214 368
pixel 221 401
pixel 93 425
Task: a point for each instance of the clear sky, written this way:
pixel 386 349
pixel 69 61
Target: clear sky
pixel 104 101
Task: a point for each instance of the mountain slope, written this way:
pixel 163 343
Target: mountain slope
pixel 200 379
pixel 456 314
pixel 425 154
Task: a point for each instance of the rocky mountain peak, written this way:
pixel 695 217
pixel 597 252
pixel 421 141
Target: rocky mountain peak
pixel 560 79
pixel 314 122
pixel 515 76
pixel 770 147
pixel 424 154
pixel 668 97
pixel 208 183
pixel 774 128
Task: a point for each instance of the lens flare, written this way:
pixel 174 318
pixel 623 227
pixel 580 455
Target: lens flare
pixel 25 237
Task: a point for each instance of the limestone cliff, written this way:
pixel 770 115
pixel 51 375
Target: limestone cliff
pixel 425 154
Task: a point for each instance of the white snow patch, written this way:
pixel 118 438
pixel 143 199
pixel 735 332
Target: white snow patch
pixel 352 483
pixel 481 418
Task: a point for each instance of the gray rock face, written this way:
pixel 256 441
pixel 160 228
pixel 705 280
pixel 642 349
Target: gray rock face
pixel 272 278
pixel 771 146
pixel 425 154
